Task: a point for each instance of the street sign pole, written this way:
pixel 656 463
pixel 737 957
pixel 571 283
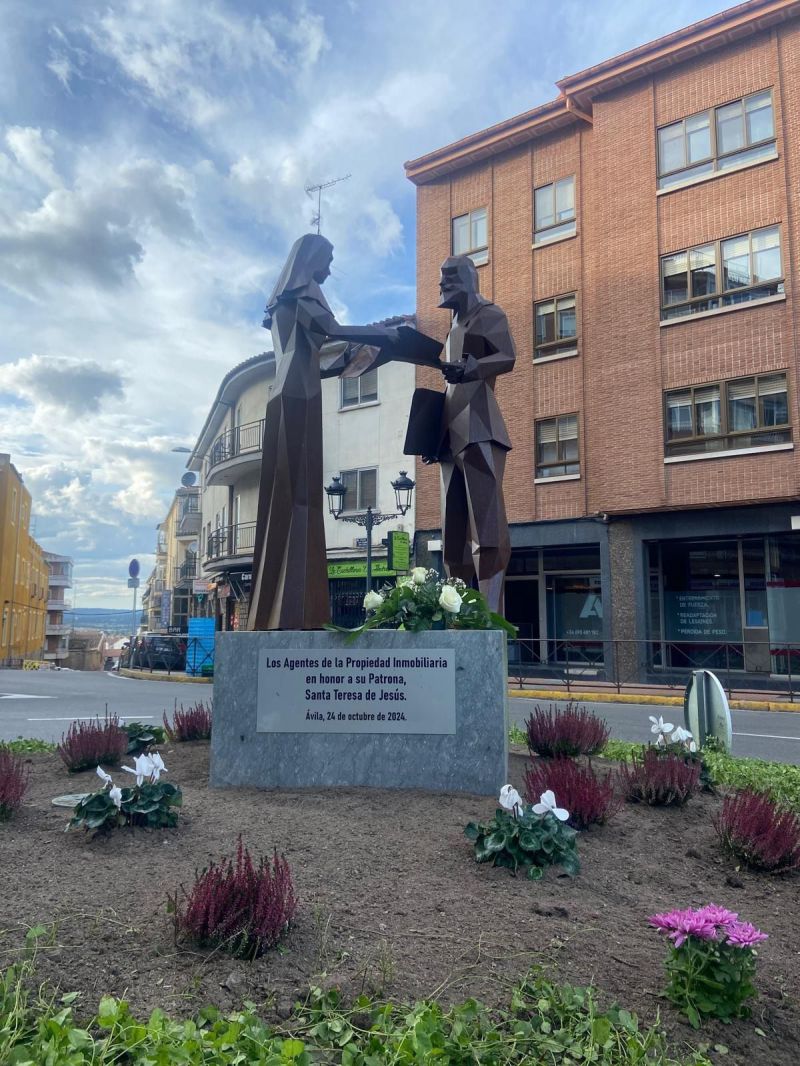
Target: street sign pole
pixel 133 583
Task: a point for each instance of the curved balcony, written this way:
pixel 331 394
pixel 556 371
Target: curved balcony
pixel 234 453
pixel 230 546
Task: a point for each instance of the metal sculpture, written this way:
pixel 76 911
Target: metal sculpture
pixel 472 437
pixel 290 573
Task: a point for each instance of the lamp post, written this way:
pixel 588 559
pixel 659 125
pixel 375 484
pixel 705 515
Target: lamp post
pixel 403 487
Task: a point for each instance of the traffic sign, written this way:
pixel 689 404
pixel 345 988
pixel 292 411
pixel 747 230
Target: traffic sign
pixel 133 569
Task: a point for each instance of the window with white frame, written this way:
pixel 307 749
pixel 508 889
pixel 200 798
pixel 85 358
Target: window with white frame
pixel 722 273
pixel 557 447
pixel 554 211
pixel 361 487
pixel 356 391
pixel 471 236
pixel 728 415
pixel 716 140
pixel 556 327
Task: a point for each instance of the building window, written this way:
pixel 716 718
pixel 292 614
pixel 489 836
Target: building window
pixel 361 486
pixel 716 140
pixel 727 272
pixel 556 327
pixel 554 211
pixel 470 236
pixel 356 391
pixel 557 447
pixel 745 413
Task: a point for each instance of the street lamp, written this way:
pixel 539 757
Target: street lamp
pixel 403 487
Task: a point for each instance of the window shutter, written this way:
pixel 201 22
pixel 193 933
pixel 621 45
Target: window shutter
pixel 546 432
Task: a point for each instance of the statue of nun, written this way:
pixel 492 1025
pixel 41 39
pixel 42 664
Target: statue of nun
pixel 290 572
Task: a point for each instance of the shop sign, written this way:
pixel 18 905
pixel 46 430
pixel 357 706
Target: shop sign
pixel 223 592
pixel 201 586
pixel 712 614
pixel 166 606
pixel 399 557
pixel 359 569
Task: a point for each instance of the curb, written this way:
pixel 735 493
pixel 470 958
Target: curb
pixel 145 675
pixel 655 701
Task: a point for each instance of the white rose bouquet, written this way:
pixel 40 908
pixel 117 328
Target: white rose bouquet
pixel 423 600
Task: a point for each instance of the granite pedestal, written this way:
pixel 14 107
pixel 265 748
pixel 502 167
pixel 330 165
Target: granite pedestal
pixel 391 710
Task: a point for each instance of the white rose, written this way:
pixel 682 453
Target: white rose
pixel 418 575
pixel 450 600
pixel 404 582
pixel 372 601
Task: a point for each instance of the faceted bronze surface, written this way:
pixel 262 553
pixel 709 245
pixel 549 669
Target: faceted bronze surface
pixel 472 438
pixel 290 572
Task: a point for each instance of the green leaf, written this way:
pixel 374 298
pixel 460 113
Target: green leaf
pixel 535 873
pixel 601 1030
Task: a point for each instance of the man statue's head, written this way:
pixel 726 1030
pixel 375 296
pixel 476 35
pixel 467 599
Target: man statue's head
pixel 458 283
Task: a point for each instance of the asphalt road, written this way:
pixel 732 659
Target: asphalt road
pixel 43 703
pixel 758 734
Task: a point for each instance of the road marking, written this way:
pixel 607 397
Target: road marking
pixel 92 717
pixel 767 736
pixel 22 696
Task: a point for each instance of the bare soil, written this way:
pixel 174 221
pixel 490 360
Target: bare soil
pixel 392 903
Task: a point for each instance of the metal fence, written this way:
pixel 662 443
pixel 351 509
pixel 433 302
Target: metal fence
pixel 625 664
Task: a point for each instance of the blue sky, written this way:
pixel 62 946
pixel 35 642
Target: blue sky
pixel 153 159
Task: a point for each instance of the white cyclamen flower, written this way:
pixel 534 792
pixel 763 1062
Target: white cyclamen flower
pixel 681 735
pixel 158 766
pixel 419 575
pixel 104 777
pixel 116 796
pixel 372 601
pixel 510 799
pixel 660 726
pixel 450 600
pixel 547 805
pixel 142 767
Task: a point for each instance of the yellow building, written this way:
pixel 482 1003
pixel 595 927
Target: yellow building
pixel 23 572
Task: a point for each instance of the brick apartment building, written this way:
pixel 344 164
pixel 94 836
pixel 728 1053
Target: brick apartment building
pixel 642 232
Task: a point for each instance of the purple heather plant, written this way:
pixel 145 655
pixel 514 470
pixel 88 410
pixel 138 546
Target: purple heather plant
pixel 711 961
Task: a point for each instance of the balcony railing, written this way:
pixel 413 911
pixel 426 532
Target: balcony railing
pixel 59 605
pixel 189 521
pixel 233 442
pixel 231 540
pixel 56 629
pixel 186 571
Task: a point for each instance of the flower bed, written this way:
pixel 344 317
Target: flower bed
pixel 384 908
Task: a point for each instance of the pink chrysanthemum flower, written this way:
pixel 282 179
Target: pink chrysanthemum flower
pixel 680 924
pixel 720 916
pixel 744 935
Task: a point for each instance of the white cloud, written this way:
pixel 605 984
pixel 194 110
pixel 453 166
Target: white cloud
pixel 33 153
pixel 77 387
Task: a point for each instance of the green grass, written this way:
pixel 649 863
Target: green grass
pixel 779 780
pixel 20 746
pixel 545 1024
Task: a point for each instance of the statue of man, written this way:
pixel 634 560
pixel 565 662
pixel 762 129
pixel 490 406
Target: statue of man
pixel 474 440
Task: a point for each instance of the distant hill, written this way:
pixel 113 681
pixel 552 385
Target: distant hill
pixel 105 618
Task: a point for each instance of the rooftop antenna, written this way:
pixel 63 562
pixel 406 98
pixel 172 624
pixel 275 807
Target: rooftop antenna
pixel 311 189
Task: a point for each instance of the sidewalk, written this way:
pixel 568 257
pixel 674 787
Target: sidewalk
pixel 649 694
pixel 162 675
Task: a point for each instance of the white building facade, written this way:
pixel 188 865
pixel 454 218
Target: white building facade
pixel 364 426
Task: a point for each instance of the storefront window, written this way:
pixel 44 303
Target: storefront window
pixel 702 604
pixel 575 618
pixel 783 602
